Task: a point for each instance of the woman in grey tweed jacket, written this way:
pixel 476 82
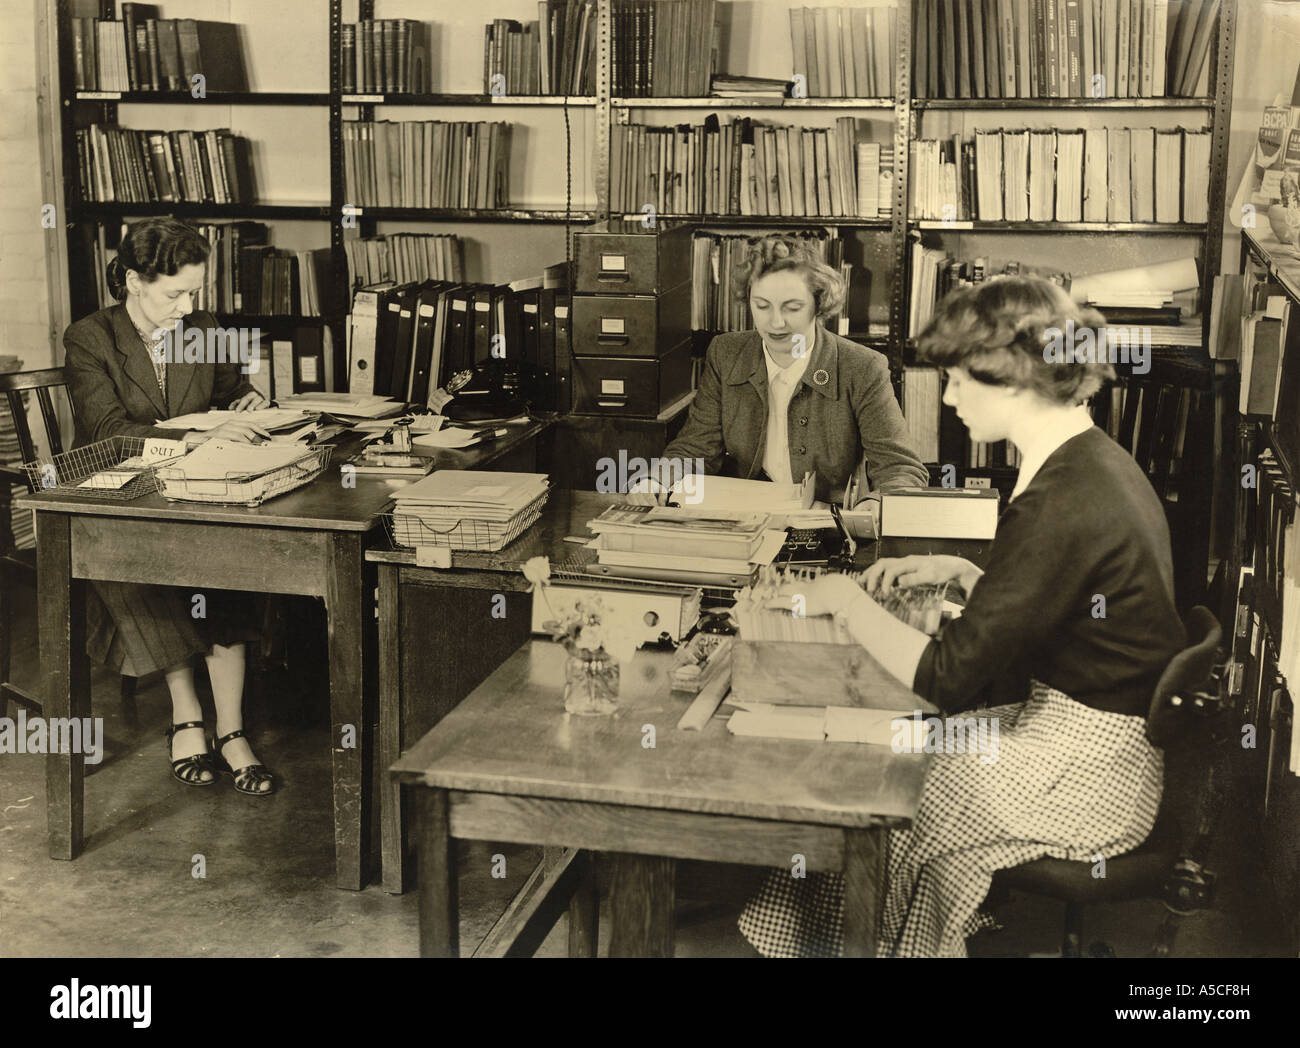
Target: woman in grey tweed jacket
pixel 121 384
pixel 790 397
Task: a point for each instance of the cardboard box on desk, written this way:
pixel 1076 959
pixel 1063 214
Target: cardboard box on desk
pixel 939 513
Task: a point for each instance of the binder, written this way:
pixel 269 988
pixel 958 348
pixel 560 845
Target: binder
pixel 308 359
pixel 458 346
pixel 546 335
pixel 399 381
pixel 481 318
pixel 363 331
pixel 425 316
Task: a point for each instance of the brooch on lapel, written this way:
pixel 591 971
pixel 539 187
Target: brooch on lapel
pixel 821 376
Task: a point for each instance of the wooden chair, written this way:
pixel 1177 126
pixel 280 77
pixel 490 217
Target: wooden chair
pixel 18 566
pixel 1185 720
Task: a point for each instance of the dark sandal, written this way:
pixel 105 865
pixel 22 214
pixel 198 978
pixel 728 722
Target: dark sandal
pixel 247 778
pixel 189 769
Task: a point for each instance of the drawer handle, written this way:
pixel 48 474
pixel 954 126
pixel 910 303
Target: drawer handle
pixel 613 277
pixel 617 403
pixel 612 340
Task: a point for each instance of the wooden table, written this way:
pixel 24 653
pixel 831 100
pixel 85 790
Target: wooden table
pixel 309 542
pixel 509 765
pixel 472 617
pixel 468 620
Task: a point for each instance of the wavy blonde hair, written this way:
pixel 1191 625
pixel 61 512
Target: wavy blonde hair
pixel 777 252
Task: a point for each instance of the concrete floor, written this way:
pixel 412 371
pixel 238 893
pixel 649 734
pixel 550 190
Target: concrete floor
pixel 267 864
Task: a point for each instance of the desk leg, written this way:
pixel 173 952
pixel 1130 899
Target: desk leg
pixel 864 890
pixel 584 908
pixel 439 906
pixel 392 811
pixel 349 604
pixel 641 900
pixel 61 613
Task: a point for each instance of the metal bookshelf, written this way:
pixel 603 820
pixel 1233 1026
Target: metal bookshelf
pixel 906 108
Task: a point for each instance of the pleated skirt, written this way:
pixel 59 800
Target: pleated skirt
pixel 137 629
pixel 1068 781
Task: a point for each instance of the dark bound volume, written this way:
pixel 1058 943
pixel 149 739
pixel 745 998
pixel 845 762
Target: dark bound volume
pixel 213 50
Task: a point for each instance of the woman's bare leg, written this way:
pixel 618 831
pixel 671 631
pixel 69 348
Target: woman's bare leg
pixel 185 707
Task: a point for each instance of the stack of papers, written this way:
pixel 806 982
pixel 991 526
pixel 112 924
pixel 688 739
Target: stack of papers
pixel 467 509
pixel 451 495
pixel 269 419
pixel 659 541
pixel 345 405
pixel 222 459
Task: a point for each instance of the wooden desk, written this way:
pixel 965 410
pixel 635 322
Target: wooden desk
pixel 467 620
pixel 509 765
pixel 309 542
pixel 462 632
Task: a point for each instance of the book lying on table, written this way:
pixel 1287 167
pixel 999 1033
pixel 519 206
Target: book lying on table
pixel 702 492
pixel 894 728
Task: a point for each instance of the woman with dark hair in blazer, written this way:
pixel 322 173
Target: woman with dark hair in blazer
pixel 789 396
pixel 1067 629
pixel 123 382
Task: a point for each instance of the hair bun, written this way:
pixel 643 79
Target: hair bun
pixel 115 274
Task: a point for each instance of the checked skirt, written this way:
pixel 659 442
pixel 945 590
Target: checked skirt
pixel 1069 781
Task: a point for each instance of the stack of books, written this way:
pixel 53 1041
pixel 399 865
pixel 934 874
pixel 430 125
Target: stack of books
pixel 1061 48
pixel 745 167
pixel 388 55
pixel 845 52
pixel 665 48
pixel 659 542
pixel 146 53
pixel 426 163
pixel 1118 174
pixel 467 509
pixel 124 165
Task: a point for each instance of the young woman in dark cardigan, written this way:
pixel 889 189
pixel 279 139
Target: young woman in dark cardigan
pixel 123 382
pixel 1069 625
pixel 790 397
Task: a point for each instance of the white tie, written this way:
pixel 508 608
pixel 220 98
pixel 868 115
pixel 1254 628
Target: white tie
pixel 776 459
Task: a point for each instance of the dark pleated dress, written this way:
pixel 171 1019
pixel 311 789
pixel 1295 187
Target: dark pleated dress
pixel 135 628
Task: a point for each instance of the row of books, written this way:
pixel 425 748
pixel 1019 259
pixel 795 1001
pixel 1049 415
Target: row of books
pixel 389 55
pixel 1276 604
pixel 845 52
pixel 1117 174
pixel 745 167
pixel 406 340
pixel 556 55
pixel 125 165
pixel 1264 331
pixel 143 52
pixel 715 283
pixel 664 48
pixel 293 360
pixel 404 257
pixel 1061 48
pixel 426 163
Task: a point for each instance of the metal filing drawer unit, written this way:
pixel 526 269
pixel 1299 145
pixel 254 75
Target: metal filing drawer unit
pixel 631 322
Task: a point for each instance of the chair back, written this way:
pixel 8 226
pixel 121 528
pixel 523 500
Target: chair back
pixel 1188 719
pixel 13 385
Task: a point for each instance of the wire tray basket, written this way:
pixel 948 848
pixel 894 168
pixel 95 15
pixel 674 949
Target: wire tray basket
pixel 409 532
pixel 108 469
pixel 244 489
